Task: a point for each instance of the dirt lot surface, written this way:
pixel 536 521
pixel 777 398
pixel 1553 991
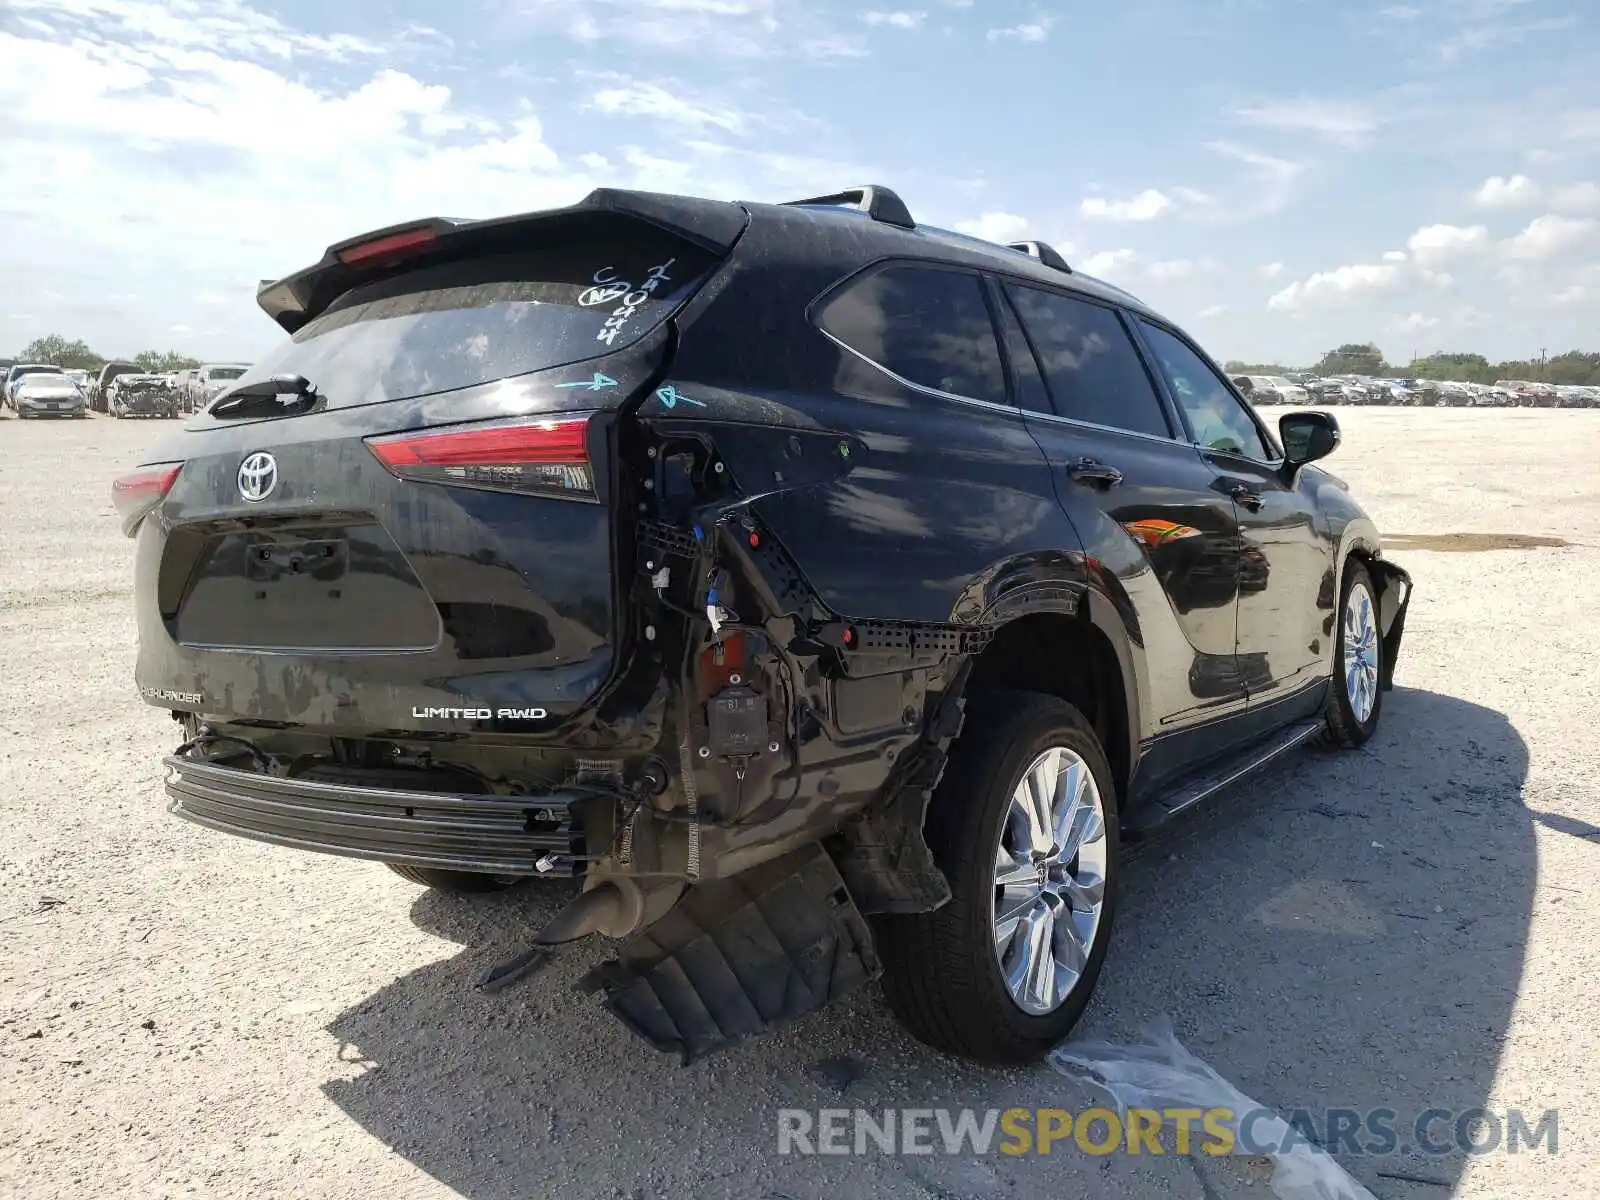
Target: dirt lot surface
pixel 1410 926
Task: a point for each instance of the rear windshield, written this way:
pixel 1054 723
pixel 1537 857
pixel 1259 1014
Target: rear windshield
pixel 224 372
pixel 456 324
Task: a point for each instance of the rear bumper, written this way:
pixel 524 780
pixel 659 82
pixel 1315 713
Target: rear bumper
pixel 497 835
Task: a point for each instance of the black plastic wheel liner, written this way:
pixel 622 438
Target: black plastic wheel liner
pixel 739 957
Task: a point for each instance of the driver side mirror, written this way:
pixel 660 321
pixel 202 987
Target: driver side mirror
pixel 1307 436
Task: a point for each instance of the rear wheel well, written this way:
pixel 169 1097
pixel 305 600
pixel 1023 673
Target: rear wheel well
pixel 1065 657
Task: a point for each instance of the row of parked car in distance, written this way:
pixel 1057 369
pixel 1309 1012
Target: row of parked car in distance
pixel 119 389
pixel 1301 388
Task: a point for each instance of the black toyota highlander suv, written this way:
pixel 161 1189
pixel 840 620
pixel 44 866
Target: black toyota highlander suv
pixel 831 594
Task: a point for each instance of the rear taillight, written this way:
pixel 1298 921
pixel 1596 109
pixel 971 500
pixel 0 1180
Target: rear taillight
pixel 547 457
pixel 136 493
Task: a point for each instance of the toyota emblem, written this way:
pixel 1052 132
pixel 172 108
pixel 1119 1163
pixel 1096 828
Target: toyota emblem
pixel 258 475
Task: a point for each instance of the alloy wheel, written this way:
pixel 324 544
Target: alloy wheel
pixel 1049 880
pixel 1361 653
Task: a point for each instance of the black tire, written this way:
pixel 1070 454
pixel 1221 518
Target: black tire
pixel 942 977
pixel 1344 727
pixel 467 882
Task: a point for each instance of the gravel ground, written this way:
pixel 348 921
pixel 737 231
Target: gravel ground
pixel 1416 924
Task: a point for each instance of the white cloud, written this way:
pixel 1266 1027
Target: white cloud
pixel 1577 293
pixel 1396 256
pixel 1433 244
pixel 1271 270
pixel 1498 191
pixel 711 29
pixel 1109 262
pixel 1549 235
pixel 1343 122
pixel 1494 34
pixel 1339 284
pixel 228 27
pixel 899 19
pixel 1146 206
pixel 1036 30
pixel 653 100
pixel 1172 270
pixel 998 227
pixel 136 137
pixel 1272 181
pixel 1576 197
pixel 1413 323
pixel 1214 310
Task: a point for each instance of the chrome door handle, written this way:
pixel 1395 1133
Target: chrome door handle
pixel 1095 473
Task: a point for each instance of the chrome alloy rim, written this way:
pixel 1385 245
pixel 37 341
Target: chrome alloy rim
pixel 1049 880
pixel 1360 653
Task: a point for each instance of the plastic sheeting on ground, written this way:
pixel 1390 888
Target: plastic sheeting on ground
pixel 1159 1073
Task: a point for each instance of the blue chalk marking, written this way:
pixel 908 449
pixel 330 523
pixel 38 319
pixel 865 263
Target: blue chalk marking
pixel 670 396
pixel 598 384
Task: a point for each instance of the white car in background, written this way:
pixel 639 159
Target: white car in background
pixel 1288 391
pixel 210 380
pixel 1271 389
pixel 48 394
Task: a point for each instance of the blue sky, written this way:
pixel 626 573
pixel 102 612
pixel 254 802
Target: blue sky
pixel 1279 176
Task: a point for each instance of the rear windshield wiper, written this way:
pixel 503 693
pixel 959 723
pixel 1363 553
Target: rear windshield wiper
pixel 276 396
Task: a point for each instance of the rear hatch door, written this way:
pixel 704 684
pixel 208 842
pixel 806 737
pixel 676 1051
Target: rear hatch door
pixel 414 526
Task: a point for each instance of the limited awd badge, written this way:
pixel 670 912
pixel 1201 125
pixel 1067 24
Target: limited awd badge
pixel 258 476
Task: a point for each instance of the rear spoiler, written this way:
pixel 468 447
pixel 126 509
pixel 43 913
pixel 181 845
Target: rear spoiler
pixel 714 225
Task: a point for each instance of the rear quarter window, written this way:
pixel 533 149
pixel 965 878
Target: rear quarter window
pixel 456 324
pixel 928 325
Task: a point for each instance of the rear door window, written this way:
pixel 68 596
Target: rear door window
pixel 1090 365
pixel 928 325
pixel 473 321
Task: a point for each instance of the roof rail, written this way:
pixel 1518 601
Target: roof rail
pixel 877 201
pixel 1044 252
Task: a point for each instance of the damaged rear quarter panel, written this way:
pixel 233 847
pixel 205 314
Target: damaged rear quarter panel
pixel 893 504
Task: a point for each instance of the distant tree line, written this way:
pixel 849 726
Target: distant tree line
pixel 58 351
pixel 1574 367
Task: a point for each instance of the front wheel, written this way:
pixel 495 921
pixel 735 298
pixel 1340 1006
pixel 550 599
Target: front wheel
pixel 1024 826
pixel 467 882
pixel 1356 695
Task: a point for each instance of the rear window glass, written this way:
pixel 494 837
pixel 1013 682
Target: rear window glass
pixel 927 325
pixel 457 324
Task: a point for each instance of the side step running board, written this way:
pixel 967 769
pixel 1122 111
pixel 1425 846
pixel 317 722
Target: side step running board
pixel 1231 769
